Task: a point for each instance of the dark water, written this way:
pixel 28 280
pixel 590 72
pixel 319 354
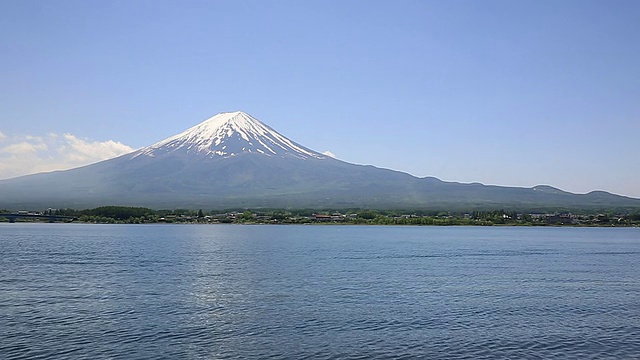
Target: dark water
pixel 228 291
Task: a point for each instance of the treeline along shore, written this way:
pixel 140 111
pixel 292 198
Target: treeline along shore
pixel 141 215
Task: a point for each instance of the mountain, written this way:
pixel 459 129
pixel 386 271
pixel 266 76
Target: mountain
pixel 235 160
pixel 229 134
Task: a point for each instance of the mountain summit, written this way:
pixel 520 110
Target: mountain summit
pixel 233 160
pixel 230 134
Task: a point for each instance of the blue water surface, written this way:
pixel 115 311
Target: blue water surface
pixel 319 292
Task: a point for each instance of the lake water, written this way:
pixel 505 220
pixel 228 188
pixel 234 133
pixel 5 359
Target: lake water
pixel 319 292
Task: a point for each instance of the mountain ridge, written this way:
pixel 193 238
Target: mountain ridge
pixel 235 160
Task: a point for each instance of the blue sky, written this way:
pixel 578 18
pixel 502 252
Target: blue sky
pixel 515 93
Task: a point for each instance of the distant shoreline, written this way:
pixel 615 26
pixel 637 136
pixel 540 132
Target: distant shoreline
pixel 336 224
pixel 139 215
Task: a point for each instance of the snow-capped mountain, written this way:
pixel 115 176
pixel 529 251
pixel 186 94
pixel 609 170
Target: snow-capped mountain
pixel 230 134
pixel 233 160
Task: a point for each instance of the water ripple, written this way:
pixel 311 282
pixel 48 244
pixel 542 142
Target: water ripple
pixel 153 292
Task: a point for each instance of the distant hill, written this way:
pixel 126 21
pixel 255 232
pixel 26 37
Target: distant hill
pixel 234 160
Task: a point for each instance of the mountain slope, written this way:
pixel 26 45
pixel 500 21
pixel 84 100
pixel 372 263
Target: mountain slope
pixel 234 160
pixel 230 134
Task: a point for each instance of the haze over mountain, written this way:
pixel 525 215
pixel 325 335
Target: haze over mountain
pixel 235 160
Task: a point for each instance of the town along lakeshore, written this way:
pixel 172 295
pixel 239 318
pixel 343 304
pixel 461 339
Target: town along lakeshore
pixel 141 215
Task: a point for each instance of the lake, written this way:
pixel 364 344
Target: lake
pixel 317 292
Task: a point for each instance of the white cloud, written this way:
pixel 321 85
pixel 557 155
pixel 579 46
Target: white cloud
pixel 22 155
pixel 81 150
pixel 23 148
pixel 329 153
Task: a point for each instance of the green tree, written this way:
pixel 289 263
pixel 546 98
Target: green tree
pixel 246 215
pixel 368 214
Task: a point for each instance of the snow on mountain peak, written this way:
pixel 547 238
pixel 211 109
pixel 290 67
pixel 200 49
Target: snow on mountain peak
pixel 229 134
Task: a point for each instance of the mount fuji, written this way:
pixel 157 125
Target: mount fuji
pixel 234 160
pixel 230 134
